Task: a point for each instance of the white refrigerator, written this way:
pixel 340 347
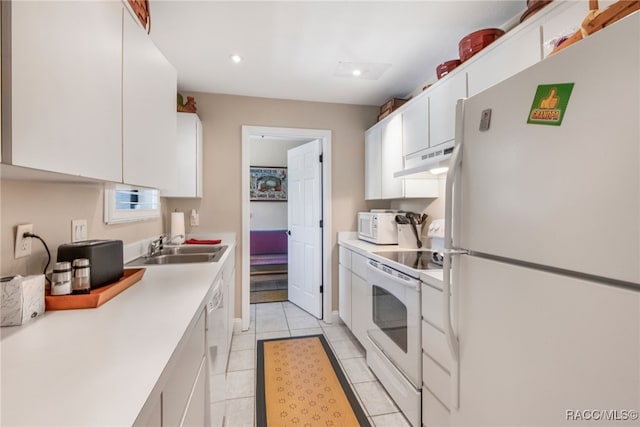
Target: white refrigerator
pixel 543 241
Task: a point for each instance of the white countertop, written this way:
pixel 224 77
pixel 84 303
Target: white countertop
pixel 350 241
pixel 98 366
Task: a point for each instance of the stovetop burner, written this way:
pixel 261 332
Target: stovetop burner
pixel 419 260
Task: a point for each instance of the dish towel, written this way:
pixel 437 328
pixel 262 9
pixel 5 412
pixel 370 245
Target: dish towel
pixel 202 242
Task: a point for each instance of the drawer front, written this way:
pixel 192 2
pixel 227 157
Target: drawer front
pixel 437 380
pixel 359 265
pixel 434 343
pixel 183 374
pixel 432 306
pixel 345 257
pixel 434 414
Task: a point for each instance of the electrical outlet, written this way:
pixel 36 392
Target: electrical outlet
pixel 23 244
pixel 194 218
pixel 78 230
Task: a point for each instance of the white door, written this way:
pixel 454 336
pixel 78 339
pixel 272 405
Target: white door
pixel 305 233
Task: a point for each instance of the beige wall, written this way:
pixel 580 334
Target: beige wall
pixel 222 119
pixel 51 207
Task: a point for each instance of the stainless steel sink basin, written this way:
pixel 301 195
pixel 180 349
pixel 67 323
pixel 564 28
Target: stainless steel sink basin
pixel 181 255
pixel 192 249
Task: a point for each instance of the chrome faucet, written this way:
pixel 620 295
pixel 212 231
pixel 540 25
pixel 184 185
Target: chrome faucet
pixel 156 245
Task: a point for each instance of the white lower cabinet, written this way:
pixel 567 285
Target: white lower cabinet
pixel 229 283
pixel 436 361
pixel 434 413
pixel 195 414
pixel 352 286
pixel 344 294
pixel 178 391
pixel 359 312
pixel 180 396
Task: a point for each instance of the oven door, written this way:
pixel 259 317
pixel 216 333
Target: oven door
pixel 395 320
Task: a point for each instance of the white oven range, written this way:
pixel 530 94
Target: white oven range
pixel 395 356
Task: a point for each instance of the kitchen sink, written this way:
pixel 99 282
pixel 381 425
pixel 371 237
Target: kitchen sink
pixel 181 255
pixel 192 249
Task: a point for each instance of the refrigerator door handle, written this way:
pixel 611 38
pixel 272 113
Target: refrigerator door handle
pixel 452 339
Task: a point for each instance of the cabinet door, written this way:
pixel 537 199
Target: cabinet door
pixel 188 158
pixel 508 58
pixel 149 111
pixel 392 188
pixel 184 375
pixel 415 125
pixel 442 107
pixel 229 283
pixel 373 163
pixel 360 311
pixel 344 294
pixel 66 91
pixel 196 411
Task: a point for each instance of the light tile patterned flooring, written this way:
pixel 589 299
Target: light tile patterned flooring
pixel 283 319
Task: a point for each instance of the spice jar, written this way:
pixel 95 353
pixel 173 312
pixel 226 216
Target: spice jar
pixel 81 283
pixel 61 278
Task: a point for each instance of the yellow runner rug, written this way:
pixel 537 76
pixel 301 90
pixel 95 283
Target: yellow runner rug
pixel 300 383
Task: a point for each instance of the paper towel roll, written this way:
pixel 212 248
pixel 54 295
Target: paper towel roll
pixel 177 227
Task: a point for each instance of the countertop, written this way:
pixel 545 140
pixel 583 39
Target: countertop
pixel 350 241
pixel 98 366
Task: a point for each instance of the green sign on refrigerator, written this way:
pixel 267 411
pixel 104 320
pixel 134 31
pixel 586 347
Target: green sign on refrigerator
pixel 550 104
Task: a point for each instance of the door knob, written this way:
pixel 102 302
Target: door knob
pixel 289 232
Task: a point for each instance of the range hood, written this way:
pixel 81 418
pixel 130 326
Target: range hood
pixel 424 165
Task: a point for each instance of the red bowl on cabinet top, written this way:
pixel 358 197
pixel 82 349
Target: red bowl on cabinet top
pixel 476 41
pixel 446 67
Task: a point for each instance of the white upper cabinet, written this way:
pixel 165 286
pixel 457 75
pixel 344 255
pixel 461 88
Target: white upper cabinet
pixel 66 88
pixel 415 125
pixel 373 163
pixel 513 55
pixel 149 111
pixel 392 161
pixel 188 158
pixel 442 103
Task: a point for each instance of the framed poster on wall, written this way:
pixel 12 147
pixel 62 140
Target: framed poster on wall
pixel 268 184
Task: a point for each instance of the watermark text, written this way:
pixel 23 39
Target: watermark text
pixel 601 414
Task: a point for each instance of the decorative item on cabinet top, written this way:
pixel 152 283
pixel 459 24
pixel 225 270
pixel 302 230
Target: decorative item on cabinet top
pixel 598 19
pixel 532 7
pixel 390 106
pixel 143 12
pixel 186 107
pixel 473 43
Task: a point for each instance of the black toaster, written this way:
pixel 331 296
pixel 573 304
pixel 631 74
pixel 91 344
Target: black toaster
pixel 105 259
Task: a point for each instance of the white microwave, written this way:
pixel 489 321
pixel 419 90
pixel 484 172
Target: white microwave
pixel 378 227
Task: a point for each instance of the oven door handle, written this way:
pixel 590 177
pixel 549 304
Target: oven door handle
pixel 411 283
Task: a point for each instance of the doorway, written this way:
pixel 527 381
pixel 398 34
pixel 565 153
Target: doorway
pixel 268 212
pixel 252 133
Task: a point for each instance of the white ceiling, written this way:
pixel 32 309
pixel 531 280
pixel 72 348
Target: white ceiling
pixel 292 50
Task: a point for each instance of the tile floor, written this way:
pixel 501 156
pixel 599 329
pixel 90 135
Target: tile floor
pixel 283 319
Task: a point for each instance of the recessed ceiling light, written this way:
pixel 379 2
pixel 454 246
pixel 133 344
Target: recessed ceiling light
pixel 361 70
pixel 236 58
